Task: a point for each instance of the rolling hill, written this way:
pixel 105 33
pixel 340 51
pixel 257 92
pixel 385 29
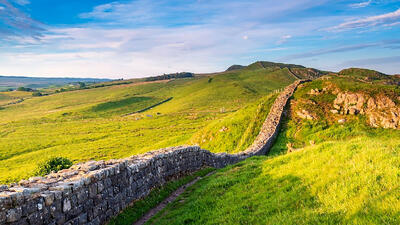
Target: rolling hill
pixel 14 82
pixel 336 161
pixel 217 111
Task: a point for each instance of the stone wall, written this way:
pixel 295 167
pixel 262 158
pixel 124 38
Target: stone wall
pixel 93 192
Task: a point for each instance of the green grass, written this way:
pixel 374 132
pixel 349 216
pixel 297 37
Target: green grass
pixel 139 208
pixel 355 181
pixel 300 132
pixel 234 133
pixel 90 124
pixel 340 174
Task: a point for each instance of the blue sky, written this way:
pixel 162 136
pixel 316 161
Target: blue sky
pixel 114 39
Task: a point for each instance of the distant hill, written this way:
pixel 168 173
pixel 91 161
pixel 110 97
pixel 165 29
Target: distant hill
pixel 41 82
pixel 335 161
pixel 266 64
pixel 370 76
pixel 170 76
pixel 106 120
pixel 298 71
pixel 235 67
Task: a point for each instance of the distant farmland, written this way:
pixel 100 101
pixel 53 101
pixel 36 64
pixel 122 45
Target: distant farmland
pixel 7 82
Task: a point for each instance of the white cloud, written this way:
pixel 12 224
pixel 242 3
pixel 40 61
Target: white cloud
pixel 2 8
pixel 361 4
pixel 139 52
pixel 372 21
pixel 21 2
pixel 97 50
pixel 346 48
pixel 392 24
pixel 284 39
pixel 135 39
pixel 17 22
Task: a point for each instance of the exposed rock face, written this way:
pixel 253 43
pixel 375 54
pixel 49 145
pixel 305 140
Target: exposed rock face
pixel 304 114
pixel 383 112
pixel 315 91
pixel 349 103
pixel 380 110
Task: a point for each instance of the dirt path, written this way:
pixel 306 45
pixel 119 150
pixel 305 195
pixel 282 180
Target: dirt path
pixel 168 200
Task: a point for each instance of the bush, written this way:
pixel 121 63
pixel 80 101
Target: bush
pixel 36 94
pixel 24 89
pixel 53 165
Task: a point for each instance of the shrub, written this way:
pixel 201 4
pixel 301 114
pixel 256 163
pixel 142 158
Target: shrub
pixel 24 89
pixel 53 165
pixel 36 94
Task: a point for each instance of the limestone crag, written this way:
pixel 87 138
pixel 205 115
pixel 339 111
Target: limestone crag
pixel 349 103
pixel 304 114
pixel 93 192
pixel 381 111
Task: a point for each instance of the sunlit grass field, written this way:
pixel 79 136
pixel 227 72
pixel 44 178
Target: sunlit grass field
pixel 338 182
pixel 340 174
pixel 94 124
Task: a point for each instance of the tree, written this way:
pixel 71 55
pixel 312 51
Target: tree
pixel 24 89
pixel 81 85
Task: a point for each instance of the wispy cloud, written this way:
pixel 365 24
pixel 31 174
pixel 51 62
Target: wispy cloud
pixel 361 4
pixel 14 22
pixel 284 39
pixel 372 61
pixel 21 2
pixel 133 38
pixel 176 12
pixel 372 21
pixel 341 49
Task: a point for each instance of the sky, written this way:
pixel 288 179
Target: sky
pixel 137 38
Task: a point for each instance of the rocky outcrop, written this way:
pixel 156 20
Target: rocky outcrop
pixel 315 91
pixel 381 111
pixel 93 192
pixel 304 114
pixel 349 103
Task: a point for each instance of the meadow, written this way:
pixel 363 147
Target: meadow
pixel 97 124
pixel 339 174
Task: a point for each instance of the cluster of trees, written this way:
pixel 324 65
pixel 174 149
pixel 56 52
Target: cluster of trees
pixel 6 90
pixel 170 76
pixel 24 89
pixel 34 92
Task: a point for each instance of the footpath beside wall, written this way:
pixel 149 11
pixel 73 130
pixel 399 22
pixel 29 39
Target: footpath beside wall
pixel 93 192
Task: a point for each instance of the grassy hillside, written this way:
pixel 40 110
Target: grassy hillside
pixel 14 82
pixel 340 171
pixel 339 182
pixel 98 123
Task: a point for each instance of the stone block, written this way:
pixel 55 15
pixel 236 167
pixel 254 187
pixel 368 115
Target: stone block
pixel 13 215
pixel 66 205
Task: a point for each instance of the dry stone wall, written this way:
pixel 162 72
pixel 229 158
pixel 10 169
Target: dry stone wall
pixel 93 192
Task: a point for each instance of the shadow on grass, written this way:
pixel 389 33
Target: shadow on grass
pixel 246 193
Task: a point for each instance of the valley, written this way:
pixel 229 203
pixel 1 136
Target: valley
pixel 90 124
pixel 334 159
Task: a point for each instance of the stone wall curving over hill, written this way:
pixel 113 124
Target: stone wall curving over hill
pixel 93 192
